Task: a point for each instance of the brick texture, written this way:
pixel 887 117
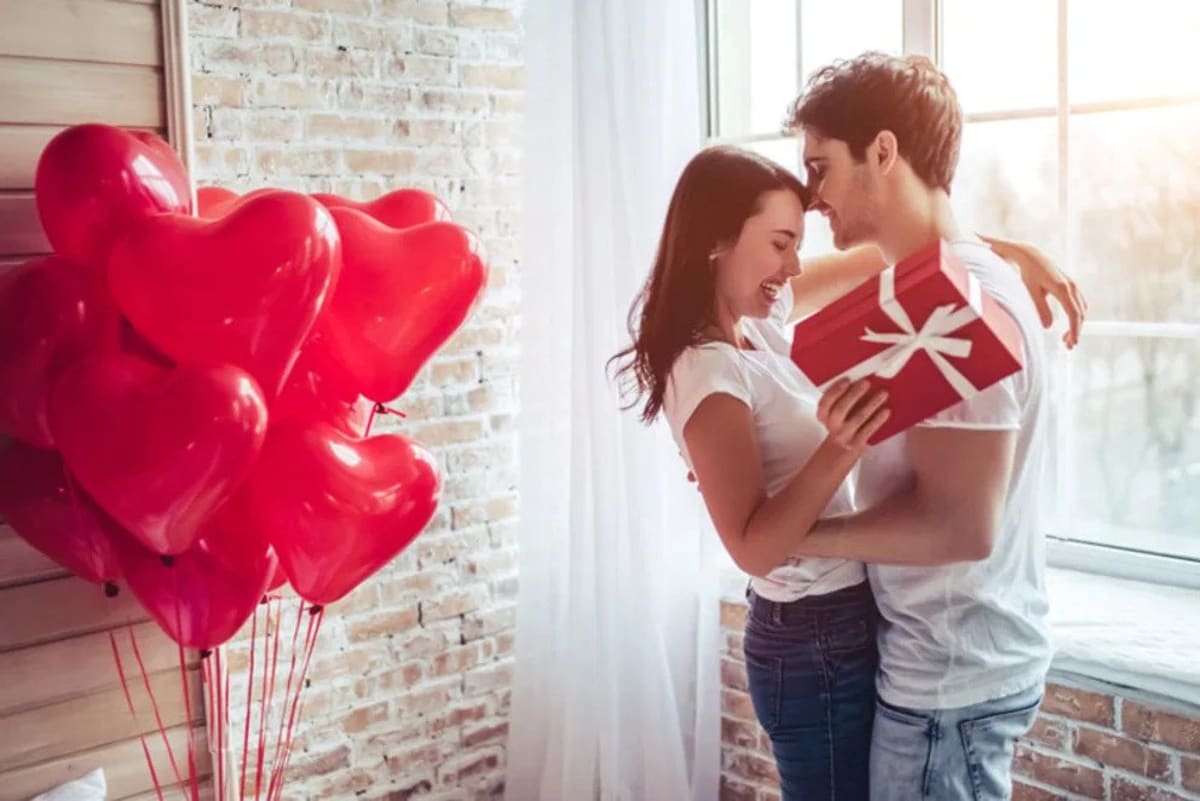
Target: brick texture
pixel 1088 743
pixel 411 677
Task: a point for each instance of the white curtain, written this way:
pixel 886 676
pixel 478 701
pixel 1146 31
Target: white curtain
pixel 616 689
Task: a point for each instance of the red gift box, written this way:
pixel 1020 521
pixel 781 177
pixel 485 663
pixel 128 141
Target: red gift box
pixel 922 329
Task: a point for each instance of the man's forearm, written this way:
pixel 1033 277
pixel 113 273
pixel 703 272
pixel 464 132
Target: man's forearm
pixel 900 531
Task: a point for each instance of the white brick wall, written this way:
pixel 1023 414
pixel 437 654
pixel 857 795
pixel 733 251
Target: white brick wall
pixel 410 681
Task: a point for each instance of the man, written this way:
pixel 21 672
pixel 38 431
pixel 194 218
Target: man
pixel 949 522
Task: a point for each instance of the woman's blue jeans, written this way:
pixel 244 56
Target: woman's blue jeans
pixel 811 669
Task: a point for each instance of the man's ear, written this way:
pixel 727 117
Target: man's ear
pixel 886 150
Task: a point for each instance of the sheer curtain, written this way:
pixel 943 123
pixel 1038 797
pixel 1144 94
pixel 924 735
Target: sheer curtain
pixel 616 690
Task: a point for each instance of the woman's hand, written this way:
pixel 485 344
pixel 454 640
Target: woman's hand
pixel 1043 279
pixel 851 413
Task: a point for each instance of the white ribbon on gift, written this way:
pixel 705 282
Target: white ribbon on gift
pixel 932 337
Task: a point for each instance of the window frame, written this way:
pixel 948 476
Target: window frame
pixel 923 34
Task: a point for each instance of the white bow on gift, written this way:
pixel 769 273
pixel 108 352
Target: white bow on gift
pixel 931 337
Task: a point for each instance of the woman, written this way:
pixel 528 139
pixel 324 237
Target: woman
pixel 728 253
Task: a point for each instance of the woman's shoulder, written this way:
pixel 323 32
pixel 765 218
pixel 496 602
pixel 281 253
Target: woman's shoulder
pixel 701 370
pixel 707 357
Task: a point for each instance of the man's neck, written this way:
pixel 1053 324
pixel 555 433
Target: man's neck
pixel 916 223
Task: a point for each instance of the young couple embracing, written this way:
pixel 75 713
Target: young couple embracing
pixel 896 642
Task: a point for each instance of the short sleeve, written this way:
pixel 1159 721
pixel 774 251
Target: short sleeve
pixel 699 372
pixel 997 408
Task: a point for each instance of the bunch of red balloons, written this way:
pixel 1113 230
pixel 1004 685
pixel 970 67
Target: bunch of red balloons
pixel 187 391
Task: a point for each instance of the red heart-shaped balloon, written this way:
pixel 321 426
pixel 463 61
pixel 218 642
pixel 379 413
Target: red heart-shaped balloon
pixel 402 208
pixel 51 313
pixel 278 578
pixel 402 293
pixel 160 449
pixel 94 180
pixel 317 390
pixel 243 289
pixel 203 596
pixel 337 509
pixel 52 513
pixel 213 201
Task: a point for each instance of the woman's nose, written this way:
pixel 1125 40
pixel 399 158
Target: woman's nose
pixel 791 266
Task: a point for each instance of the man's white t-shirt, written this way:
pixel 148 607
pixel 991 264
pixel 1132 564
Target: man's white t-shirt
pixel 783 403
pixel 961 634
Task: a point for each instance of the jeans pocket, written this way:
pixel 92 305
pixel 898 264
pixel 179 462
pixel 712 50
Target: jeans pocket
pixel 901 715
pixel 901 753
pixel 764 675
pixel 854 634
pixel 989 744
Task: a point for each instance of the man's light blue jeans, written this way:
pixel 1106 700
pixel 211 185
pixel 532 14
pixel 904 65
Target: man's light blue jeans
pixel 949 754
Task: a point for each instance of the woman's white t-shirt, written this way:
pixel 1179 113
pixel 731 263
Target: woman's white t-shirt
pixel 784 405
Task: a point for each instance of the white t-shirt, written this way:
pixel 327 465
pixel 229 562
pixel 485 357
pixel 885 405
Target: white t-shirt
pixel 961 634
pixel 784 405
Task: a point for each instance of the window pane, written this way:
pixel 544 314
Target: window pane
pixel 1135 213
pixel 1136 458
pixel 1002 55
pixel 844 29
pixel 1122 50
pixel 1007 181
pixel 785 151
pixel 755 63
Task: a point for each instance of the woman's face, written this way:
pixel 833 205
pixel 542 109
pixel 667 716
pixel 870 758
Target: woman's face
pixel 752 271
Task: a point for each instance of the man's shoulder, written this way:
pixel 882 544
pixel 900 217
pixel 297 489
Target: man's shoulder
pixel 999 279
pixel 978 257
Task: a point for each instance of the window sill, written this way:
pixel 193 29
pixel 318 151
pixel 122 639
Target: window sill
pixel 1123 632
pixel 1130 633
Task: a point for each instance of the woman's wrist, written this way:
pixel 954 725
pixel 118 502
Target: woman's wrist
pixel 833 455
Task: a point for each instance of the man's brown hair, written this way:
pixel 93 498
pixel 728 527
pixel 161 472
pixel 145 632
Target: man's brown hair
pixel 856 99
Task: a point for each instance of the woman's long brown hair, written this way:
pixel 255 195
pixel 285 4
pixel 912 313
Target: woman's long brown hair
pixel 720 188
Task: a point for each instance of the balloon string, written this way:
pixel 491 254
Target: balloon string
pixel 378 409
pixel 249 705
pixel 187 706
pixel 287 754
pixel 287 696
pixel 223 723
pixel 268 694
pixel 137 653
pixel 183 678
pixel 133 713
pixel 317 614
pixel 213 717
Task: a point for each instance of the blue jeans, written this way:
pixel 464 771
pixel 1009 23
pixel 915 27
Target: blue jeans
pixel 811 669
pixel 949 754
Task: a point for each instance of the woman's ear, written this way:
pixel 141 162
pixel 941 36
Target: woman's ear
pixel 719 250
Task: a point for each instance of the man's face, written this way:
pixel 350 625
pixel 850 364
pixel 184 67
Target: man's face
pixel 847 191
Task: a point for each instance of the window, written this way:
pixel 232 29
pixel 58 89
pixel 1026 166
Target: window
pixel 1082 123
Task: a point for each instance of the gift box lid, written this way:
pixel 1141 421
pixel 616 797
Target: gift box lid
pixel 929 261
